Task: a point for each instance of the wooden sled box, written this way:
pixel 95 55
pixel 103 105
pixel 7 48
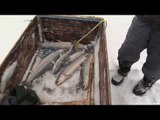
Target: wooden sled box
pixel 64 28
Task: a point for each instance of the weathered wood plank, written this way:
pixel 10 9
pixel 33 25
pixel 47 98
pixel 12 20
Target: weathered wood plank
pixel 105 98
pixel 106 68
pixel 40 31
pixel 68 30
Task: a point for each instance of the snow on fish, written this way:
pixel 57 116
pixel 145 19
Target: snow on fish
pixel 70 69
pixel 43 66
pixel 85 71
pixel 7 76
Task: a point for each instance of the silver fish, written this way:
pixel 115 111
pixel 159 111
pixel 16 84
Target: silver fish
pixel 74 56
pixel 1 97
pixel 85 71
pixel 44 65
pixel 60 62
pixel 9 72
pixel 60 45
pixel 70 69
pixel 56 45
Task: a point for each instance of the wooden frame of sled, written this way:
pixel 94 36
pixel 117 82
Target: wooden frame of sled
pixel 66 28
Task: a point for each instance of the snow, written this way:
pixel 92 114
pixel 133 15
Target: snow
pixel 49 92
pixel 7 76
pixel 63 93
pixel 11 28
pixel 116 31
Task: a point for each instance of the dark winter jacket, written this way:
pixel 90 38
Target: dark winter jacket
pixel 152 20
pixel 21 96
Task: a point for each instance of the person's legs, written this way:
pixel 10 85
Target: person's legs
pixel 136 41
pixel 151 67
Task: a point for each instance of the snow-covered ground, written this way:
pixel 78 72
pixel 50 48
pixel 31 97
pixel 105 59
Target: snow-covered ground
pixel 11 27
pixel 116 32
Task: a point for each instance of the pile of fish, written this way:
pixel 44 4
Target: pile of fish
pixel 64 59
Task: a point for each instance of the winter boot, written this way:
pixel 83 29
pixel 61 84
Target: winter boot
pixel 143 86
pixel 122 72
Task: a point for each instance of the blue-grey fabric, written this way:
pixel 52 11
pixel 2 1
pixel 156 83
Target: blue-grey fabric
pixel 139 37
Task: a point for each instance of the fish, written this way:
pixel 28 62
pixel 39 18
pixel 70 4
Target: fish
pixel 74 56
pixel 44 66
pixel 56 45
pixel 1 97
pixel 60 45
pixel 70 69
pixel 64 57
pixel 9 72
pixel 85 72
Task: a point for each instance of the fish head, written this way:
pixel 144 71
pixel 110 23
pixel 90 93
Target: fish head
pixel 74 46
pixel 60 79
pixel 54 70
pixel 90 48
pixel 62 51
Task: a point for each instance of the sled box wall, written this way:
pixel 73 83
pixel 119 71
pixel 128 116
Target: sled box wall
pixel 55 28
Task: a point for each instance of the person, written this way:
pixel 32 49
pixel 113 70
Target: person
pixel 143 33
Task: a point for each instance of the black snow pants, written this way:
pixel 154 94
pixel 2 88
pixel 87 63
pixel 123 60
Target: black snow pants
pixel 139 37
